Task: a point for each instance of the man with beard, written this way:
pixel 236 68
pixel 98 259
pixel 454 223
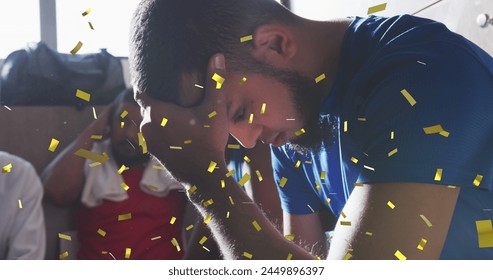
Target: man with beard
pixel 130 208
pixel 381 120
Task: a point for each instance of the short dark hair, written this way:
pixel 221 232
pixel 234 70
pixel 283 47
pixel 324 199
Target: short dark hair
pixel 169 38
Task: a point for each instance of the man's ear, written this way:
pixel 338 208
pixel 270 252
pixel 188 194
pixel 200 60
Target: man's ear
pixel 273 44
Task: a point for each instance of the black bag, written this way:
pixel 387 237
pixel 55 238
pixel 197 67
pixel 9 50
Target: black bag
pixel 38 75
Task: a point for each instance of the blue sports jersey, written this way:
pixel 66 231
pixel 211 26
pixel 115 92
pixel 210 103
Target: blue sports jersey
pixel 410 98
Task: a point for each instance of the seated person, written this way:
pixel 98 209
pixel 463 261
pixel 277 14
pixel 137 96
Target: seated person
pixel 131 208
pixel 22 226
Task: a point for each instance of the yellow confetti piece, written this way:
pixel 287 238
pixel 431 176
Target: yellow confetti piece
pixel 345 126
pixel 250 119
pixel 283 182
pixel 86 12
pixel 53 144
pixel 369 167
pixel 320 78
pixel 227 215
pixel 355 160
pixel 247 255
pixel 244 179
pixel 290 256
pixel 175 148
pixel 101 232
pixel 377 8
pixel 438 174
pixel 63 255
pixel 212 165
pixel 434 129
pixel 300 132
pixel 192 189
pixel 94 164
pixel 124 186
pixel 362 119
pixel 422 243
pixel 247 159
pixel 231 200
pixel 444 133
pixel 96 137
pixel 207 219
pixel 173 220
pixel 451 187
pixel 223 184
pixel 246 38
pixel 158 167
pixel 347 256
pixel 427 222
pixel 76 48
pixel 408 97
pixel 233 146
pixel 124 114
pixel 64 236
pixel 142 142
pixel 393 152
pixel 20 203
pixel 175 243
pixel 156 238
pixel 400 255
pixel 230 173
pixel 206 126
pixel 189 227
pixel 259 176
pixel 392 135
pixel 262 110
pixel 485 233
pixel 317 186
pixel 369 233
pixel 358 184
pixel 218 79
pixel 90 25
pixel 243 80
pixel 290 236
pixel 256 226
pixel 92 156
pixel 203 240
pixel 128 252
pixel 164 122
pixel 122 168
pixel 83 95
pixel 390 204
pixel 208 202
pixel 343 215
pixel 327 201
pixel 323 175
pixel 122 124
pixel 345 223
pixel 212 114
pixel 125 217
pixel 298 163
pixel 477 180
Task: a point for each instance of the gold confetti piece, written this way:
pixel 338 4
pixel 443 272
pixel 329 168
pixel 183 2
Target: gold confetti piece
pixel 125 217
pixel 63 255
pixel 234 146
pixel 451 187
pixel 358 184
pixel 246 38
pixel 300 132
pixel 262 110
pixel 231 200
pixel 400 255
pixel 345 126
pixel 124 186
pixel 20 203
pixel 101 232
pixel 243 80
pixel 256 225
pixel 298 163
pixel 327 201
pixel 128 251
pixel 244 179
pixel 76 48
pixel 212 114
pixel 203 240
pixel 164 122
pixel 427 222
pixel 392 135
pixel 369 167
pixel 422 243
pixel 408 97
pixel 124 114
pixel 343 214
pixel 86 12
pixel 94 164
pixel 320 78
pixel 227 215
pixel 122 168
pixel 230 173
pixel 192 189
pixel 250 120
pixel 96 137
pixel 362 119
pixel 477 180
pixel 142 142
pixel 393 152
pixel 158 167
pixel 83 95
pixel 176 148
pixel 259 176
pixel 438 174
pixel 347 257
pixel 156 238
pixel 290 256
pixel 207 219
pixel 345 223
pixel 189 227
pixel 53 145
pixel 175 243
pixel 212 165
pixel 247 255
pixel 90 25
pixel 283 182
pixel 355 160
pixel 444 133
pixel 186 142
pixel 173 220
pixel 64 236
pixel 247 159
pixel 323 175
pixel 223 184
pixel 369 233
pixel 290 236
pixel 433 129
pixel 122 124
pixel 317 186
pixel 92 156
pixel 390 204
pixel 377 8
pixel 485 233
pixel 218 79
pixel 208 202
pixel 206 126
